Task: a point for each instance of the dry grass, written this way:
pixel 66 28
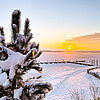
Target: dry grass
pixel 77 95
pixel 80 94
pixel 95 92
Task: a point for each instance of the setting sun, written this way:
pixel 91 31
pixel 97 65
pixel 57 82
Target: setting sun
pixel 69 47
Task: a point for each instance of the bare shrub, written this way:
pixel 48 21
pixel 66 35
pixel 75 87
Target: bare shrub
pixel 80 94
pixel 77 94
pixel 95 92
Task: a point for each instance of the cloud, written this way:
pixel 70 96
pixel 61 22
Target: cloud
pixel 86 42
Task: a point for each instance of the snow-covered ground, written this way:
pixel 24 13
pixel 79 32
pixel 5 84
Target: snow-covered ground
pixel 66 78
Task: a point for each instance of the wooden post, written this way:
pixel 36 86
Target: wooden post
pixel 97 62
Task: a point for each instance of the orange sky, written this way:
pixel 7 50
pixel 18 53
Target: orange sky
pixel 86 42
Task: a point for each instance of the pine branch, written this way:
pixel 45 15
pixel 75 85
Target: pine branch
pixel 37 90
pixel 9 45
pixel 28 38
pixel 44 85
pixel 2 36
pixel 16 19
pixel 14 35
pixel 26 27
pixel 15 24
pixel 33 45
pixel 2 31
pixel 30 54
pixel 39 69
pixel 37 47
pixel 38 54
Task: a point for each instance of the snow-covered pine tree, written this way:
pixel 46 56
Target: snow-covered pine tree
pixel 16 59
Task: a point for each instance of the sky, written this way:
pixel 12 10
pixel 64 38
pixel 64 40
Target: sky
pixel 86 42
pixel 53 21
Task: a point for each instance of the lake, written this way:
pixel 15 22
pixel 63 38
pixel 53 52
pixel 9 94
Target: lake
pixel 88 56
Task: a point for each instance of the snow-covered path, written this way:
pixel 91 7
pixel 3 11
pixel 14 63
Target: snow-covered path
pixel 66 78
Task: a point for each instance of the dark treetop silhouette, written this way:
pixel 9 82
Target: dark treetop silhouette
pixel 16 58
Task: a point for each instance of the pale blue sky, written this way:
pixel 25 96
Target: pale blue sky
pixel 54 21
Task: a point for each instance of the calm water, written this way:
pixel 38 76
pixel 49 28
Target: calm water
pixel 88 56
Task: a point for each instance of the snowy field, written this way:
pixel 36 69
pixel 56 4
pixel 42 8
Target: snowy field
pixel 66 78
